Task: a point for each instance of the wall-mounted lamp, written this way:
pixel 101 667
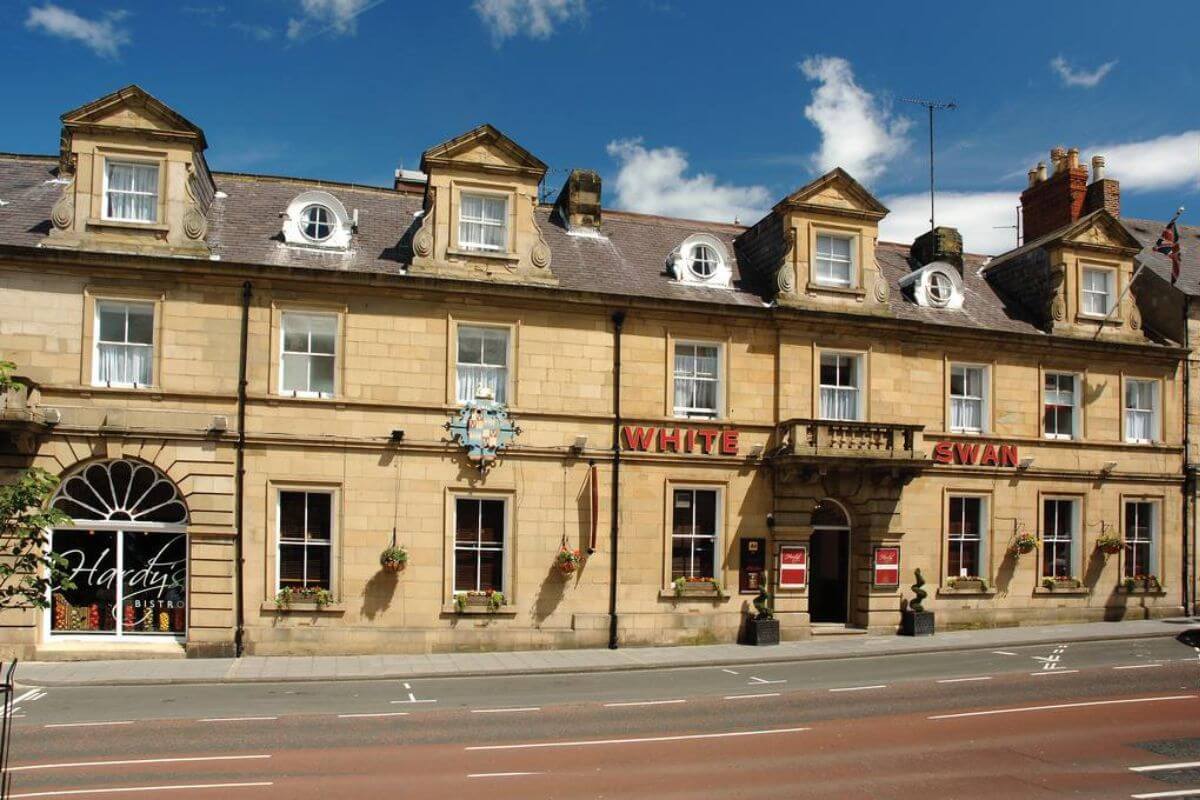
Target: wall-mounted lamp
pixel 219 424
pixel 579 444
pixel 397 436
pixel 1108 467
pixel 757 450
pixel 1025 463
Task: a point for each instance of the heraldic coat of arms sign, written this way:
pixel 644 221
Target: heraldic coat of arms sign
pixel 482 427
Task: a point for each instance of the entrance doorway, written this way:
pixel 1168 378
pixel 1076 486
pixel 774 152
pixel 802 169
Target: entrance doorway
pixel 829 579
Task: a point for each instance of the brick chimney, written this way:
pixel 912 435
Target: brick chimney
pixel 1050 203
pixel 578 203
pixel 939 244
pixel 1102 192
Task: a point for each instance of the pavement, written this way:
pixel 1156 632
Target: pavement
pixel 271 669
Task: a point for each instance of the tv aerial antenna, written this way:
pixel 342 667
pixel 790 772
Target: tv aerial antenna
pixel 931 106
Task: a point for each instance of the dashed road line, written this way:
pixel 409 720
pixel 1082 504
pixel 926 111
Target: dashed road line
pixel 757 681
pixel 636 740
pixel 502 774
pixel 1058 706
pixel 412 699
pixel 1003 653
pixel 859 688
pixel 130 761
pixel 631 703
pixel 116 789
pixel 966 680
pixel 87 724
pixel 505 710
pixel 1138 666
pixel 1160 767
pixel 731 672
pixel 1055 672
pixel 750 696
pixel 374 714
pixel 1152 795
pixel 237 719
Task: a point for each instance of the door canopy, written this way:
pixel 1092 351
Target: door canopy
pixel 121 490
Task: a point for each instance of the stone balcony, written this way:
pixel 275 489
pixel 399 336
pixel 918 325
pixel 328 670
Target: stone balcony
pixel 851 443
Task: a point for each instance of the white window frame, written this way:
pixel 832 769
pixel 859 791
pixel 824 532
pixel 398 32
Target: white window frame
pixel 697 412
pixel 1154 412
pixel 856 388
pixel 981 540
pixel 717 535
pixel 504 385
pixel 306 542
pixel 1086 294
pixel 135 162
pixel 850 262
pixel 331 222
pixel 1073 543
pixel 504 549
pixel 283 352
pixel 1046 396
pixel 981 398
pixel 125 305
pixel 714 260
pixel 483 222
pixel 1129 565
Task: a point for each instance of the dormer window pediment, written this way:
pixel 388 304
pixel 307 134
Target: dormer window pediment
pixel 317 219
pixel 701 260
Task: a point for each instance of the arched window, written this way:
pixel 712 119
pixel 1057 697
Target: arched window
pixel 316 222
pixel 704 261
pixel 829 514
pixel 121 491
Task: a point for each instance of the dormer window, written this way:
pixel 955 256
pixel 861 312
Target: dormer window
pixel 482 223
pixel 940 288
pixel 318 219
pixel 317 222
pixel 700 259
pixel 835 260
pixel 703 261
pixel 130 191
pixel 935 285
pixel 1098 291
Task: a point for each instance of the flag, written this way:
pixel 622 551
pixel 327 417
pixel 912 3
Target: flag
pixel 1168 245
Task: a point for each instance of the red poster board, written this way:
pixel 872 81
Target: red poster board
pixel 886 564
pixel 793 566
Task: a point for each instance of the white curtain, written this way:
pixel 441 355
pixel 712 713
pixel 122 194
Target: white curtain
pixel 1139 410
pixel 839 402
pixel 133 191
pixel 966 414
pixel 481 222
pixel 472 376
pixel 124 364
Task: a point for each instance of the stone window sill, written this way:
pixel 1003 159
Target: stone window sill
pixel 1159 592
pixel 692 594
pixel 157 227
pixel 1112 322
pixel 490 254
pixel 1042 591
pixel 949 591
pixel 479 611
pixel 304 608
pixel 824 288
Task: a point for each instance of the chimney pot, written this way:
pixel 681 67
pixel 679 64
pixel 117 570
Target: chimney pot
pixel 1073 158
pixel 1041 171
pixel 1058 158
pixel 1097 168
pixel 1033 178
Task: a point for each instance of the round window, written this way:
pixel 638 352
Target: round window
pixel 316 223
pixel 704 261
pixel 941 289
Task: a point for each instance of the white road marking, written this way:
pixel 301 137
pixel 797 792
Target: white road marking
pixel 73 764
pixel 965 680
pixel 1055 672
pixel 1138 666
pixel 638 740
pixel 1064 705
pixel 754 680
pixel 375 714
pixel 504 710
pixel 631 703
pixel 237 719
pixel 37 696
pixel 64 792
pixel 1003 653
pixel 413 700
pixel 1149 796
pixel 750 696
pixel 731 672
pixel 21 697
pixel 859 688
pixel 1158 767
pixel 501 774
pixel 86 724
pixel 407 686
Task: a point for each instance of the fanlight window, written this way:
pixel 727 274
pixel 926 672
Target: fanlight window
pixel 121 491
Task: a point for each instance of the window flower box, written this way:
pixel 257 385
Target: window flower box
pixel 968 583
pixel 1059 583
pixel 1141 584
pixel 475 602
pixel 309 596
pixel 697 587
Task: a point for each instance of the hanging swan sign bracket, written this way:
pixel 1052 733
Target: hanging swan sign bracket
pixel 483 428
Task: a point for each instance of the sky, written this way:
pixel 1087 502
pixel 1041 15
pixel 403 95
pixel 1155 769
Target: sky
pixel 703 109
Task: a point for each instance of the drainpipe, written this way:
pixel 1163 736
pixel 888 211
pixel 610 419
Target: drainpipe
pixel 618 319
pixel 1189 600
pixel 239 478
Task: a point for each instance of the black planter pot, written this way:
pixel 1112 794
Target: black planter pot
pixel 916 623
pixel 761 632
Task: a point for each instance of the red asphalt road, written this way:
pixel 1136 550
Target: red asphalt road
pixel 1081 752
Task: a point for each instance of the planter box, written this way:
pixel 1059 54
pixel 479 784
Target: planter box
pixel 968 585
pixel 1136 587
pixel 760 632
pixel 916 623
pixel 1063 583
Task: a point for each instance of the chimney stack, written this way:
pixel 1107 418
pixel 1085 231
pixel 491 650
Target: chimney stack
pixel 579 201
pixel 1052 203
pixel 939 244
pixel 1102 192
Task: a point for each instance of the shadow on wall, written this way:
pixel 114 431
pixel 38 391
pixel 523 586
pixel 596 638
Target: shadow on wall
pixel 1004 575
pixel 378 593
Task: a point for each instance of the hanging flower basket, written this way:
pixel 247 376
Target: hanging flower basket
pixel 1024 543
pixel 1109 544
pixel 393 559
pixel 568 561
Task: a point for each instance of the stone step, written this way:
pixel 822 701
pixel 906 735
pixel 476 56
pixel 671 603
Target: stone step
pixel 107 651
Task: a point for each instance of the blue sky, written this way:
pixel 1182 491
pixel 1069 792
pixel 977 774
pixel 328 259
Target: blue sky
pixel 686 107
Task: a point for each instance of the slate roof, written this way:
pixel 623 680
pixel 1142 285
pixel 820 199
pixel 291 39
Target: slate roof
pixel 628 260
pixel 1147 232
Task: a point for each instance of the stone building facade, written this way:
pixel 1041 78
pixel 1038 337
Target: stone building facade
pixel 251 386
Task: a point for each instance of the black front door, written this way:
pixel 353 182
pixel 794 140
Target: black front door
pixel 829 557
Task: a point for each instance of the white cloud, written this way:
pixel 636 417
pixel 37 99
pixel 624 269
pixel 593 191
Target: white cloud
pixel 1168 162
pixel 533 18
pixel 102 36
pixel 1080 77
pixel 318 16
pixel 260 33
pixel 654 182
pixel 981 217
pixel 858 133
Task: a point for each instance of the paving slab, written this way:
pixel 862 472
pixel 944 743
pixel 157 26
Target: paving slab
pixel 251 669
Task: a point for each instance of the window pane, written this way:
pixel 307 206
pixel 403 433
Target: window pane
pixel 291 565
pixel 295 337
pixel 682 513
pixel 320 515
pixel 154 583
pixel 466 520
pixel 464 570
pixel 91 564
pixel 112 322
pixel 295 373
pixel 141 324
pixel 318 567
pixel 491 525
pixel 470 345
pixel 491 570
pixel 702 558
pixel 320 374
pixel 681 557
pixel 706 513
pixel 495 347
pixel 291 515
